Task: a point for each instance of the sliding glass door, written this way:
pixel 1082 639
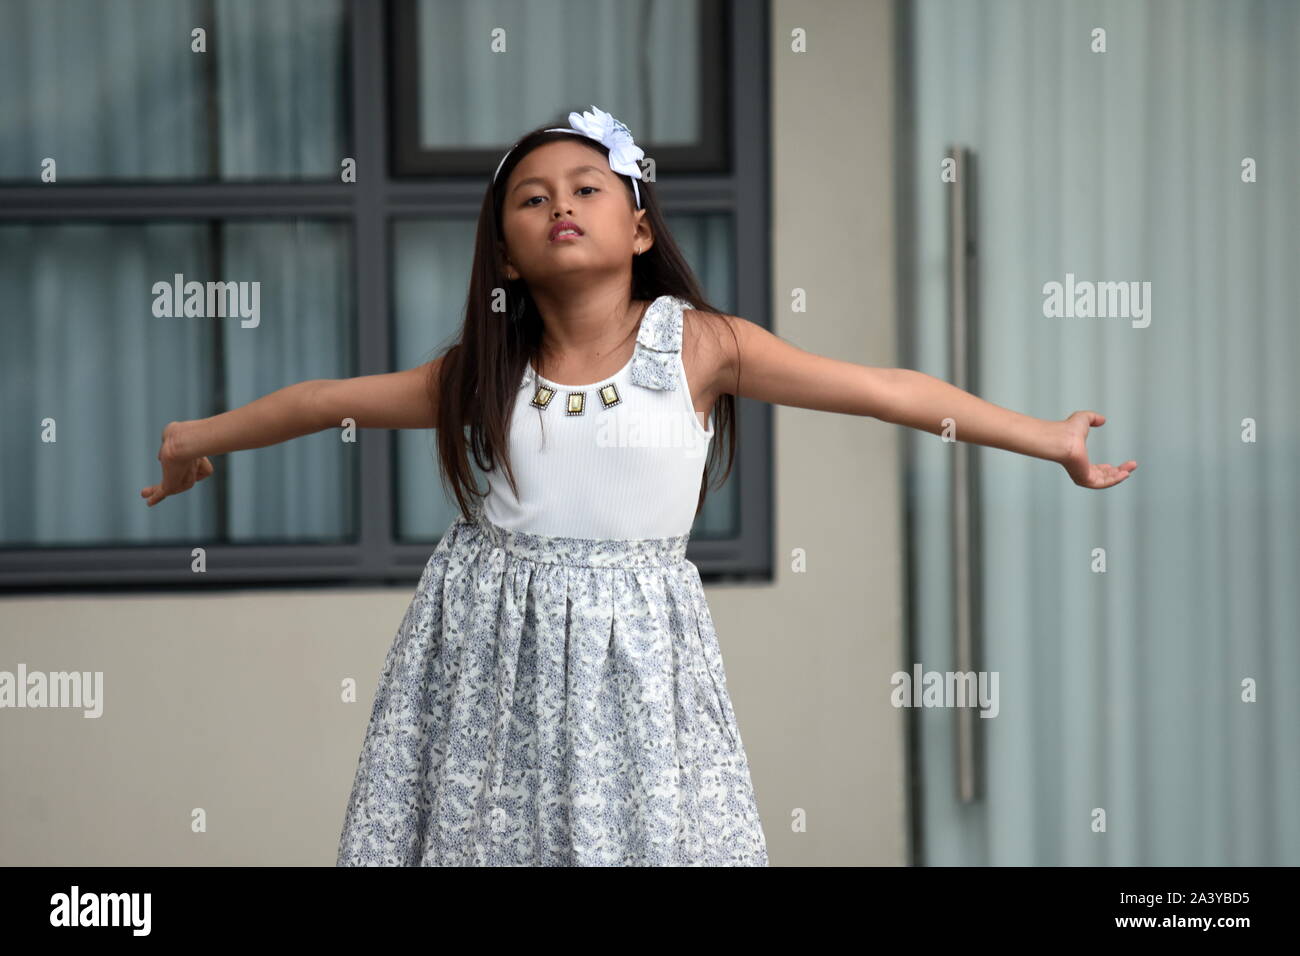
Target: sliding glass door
pixel 1104 215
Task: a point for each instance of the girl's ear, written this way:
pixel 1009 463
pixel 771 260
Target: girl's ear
pixel 644 236
pixel 503 261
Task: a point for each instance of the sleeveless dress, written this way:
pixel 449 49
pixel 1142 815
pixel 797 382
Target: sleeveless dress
pixel 555 694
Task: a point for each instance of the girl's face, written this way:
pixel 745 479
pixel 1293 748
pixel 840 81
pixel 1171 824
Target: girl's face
pixel 565 181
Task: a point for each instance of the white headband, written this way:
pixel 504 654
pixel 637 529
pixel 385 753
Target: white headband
pixel 610 133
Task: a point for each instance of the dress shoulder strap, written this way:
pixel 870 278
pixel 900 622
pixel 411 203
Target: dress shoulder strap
pixel 659 344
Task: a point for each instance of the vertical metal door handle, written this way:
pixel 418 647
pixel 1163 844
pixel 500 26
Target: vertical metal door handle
pixel 965 523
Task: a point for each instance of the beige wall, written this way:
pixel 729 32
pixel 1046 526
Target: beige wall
pixel 809 658
pixel 229 702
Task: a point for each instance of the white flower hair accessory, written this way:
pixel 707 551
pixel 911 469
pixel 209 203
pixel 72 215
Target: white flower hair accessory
pixel 610 133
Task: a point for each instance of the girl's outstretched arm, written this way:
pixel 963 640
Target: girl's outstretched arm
pixel 389 400
pixel 773 370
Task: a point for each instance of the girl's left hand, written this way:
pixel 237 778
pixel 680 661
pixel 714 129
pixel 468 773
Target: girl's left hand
pixel 1075 459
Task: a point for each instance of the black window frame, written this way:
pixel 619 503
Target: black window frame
pixel 372 204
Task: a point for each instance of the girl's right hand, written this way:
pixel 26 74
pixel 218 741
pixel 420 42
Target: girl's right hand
pixel 179 473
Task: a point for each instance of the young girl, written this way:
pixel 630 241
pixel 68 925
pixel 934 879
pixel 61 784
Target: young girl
pixel 555 694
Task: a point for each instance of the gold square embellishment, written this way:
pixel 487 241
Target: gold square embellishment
pixel 609 396
pixel 577 403
pixel 542 397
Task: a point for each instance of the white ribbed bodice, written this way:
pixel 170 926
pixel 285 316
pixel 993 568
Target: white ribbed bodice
pixel 629 470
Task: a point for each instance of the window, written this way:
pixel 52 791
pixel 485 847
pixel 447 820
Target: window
pixel 172 164
pixel 662 68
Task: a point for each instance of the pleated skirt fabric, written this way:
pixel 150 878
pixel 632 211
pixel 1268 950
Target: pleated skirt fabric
pixel 553 701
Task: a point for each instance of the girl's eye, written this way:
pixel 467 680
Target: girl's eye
pixel 529 201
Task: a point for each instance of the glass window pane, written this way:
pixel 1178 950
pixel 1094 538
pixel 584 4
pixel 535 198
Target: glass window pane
pixel 301 490
pixel 89 375
pixel 432 258
pixel 113 91
pixel 644 58
pixel 431 261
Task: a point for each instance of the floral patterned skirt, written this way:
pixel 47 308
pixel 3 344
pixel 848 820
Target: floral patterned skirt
pixel 553 701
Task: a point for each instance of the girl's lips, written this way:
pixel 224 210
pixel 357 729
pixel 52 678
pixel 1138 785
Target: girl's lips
pixel 561 237
pixel 562 226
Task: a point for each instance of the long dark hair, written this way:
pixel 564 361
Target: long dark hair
pixel 478 382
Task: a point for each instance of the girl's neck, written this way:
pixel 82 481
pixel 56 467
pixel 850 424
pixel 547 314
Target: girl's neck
pixel 580 343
